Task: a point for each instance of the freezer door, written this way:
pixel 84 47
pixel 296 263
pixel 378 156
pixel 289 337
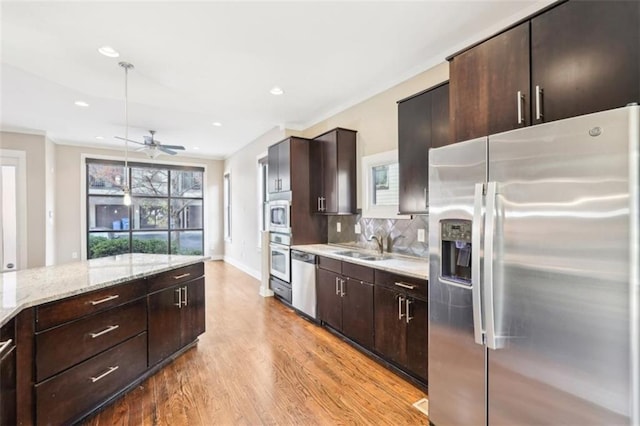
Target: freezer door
pixel 558 312
pixel 456 361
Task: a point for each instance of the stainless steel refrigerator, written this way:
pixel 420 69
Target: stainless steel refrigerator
pixel 534 282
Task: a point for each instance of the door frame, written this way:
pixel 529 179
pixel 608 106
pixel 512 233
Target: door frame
pixel 19 159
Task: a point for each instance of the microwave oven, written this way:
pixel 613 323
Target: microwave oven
pixel 280 216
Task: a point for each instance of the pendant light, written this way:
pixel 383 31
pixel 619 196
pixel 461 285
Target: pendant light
pixel 125 188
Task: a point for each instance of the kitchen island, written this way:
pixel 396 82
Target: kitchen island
pixel 79 335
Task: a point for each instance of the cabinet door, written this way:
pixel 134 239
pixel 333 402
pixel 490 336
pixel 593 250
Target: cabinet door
pixel 273 160
pixel 8 387
pixel 329 159
pixel 316 174
pixel 284 165
pixel 390 329
pixel 440 134
pixel 165 324
pixel 484 85
pixel 585 55
pixel 414 140
pixel 357 311
pixel 329 300
pixel 193 321
pixel 417 345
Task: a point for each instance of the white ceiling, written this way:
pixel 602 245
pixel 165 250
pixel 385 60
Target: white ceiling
pixel 201 62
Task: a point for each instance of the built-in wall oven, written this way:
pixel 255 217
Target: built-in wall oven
pixel 280 256
pixel 280 216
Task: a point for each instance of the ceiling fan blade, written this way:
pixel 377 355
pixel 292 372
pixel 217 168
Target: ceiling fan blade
pixel 129 140
pixel 166 151
pixel 173 146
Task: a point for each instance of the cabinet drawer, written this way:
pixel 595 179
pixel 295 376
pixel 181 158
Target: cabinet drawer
pixel 175 276
pixel 281 289
pixel 413 286
pixel 330 264
pixel 55 313
pixel 359 272
pixel 64 346
pixel 72 394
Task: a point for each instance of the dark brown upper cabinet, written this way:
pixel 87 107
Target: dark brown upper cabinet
pixel 279 167
pixel 423 123
pixel 333 172
pixel 575 58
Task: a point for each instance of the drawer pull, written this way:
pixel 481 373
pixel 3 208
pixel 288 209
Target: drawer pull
pixel 4 345
pixel 103 332
pixel 177 277
pixel 404 285
pixel 105 374
pixel 106 299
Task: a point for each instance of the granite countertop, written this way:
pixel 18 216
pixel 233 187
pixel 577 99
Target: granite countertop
pixel 31 287
pixel 404 265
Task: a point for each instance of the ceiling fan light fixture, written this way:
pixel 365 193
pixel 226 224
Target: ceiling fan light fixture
pixel 153 152
pixel 109 51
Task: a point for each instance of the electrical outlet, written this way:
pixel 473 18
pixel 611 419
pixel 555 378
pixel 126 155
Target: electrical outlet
pixel 421 235
pixel 357 229
pixel 338 227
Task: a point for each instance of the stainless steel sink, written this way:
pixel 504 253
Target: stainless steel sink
pixel 363 256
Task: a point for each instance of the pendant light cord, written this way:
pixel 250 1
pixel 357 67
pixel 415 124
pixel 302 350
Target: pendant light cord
pixel 127 66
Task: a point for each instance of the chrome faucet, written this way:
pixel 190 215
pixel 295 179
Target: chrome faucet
pixel 380 242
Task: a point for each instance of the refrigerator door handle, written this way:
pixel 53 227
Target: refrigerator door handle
pixel 478 330
pixel 488 265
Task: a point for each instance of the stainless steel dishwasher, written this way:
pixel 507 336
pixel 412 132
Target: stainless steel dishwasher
pixel 303 282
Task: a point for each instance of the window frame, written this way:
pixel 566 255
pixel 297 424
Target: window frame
pixel 369 209
pixel 169 230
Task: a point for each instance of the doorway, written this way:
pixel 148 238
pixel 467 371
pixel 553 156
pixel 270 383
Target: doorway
pixel 12 210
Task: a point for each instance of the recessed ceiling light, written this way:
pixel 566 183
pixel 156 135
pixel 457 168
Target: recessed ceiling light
pixel 217 123
pixel 195 148
pixel 82 104
pixel 109 51
pixel 99 137
pixel 276 91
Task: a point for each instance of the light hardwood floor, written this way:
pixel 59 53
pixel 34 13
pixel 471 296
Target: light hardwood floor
pixel 260 363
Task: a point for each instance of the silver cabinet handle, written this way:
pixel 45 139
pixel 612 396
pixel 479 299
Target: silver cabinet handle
pixel 520 100
pixel 186 296
pixel 342 293
pixel 405 285
pixel 400 314
pixel 476 232
pixel 4 345
pixel 177 277
pixel 538 103
pixel 106 299
pixel 407 316
pixel 488 265
pixel 179 291
pixel 105 331
pixel 105 374
pixel 318 203
pixel 426 199
pixel 337 292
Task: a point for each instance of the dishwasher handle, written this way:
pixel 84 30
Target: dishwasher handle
pixel 303 256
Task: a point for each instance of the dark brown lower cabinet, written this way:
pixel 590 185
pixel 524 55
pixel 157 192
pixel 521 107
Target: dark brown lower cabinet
pixel 346 304
pixel 176 318
pixel 8 385
pixel 401 329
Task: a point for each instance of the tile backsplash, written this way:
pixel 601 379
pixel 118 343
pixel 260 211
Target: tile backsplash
pixel 403 231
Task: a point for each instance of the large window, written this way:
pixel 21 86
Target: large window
pixel 166 214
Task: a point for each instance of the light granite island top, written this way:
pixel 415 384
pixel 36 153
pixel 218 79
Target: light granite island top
pixel 398 264
pixel 32 287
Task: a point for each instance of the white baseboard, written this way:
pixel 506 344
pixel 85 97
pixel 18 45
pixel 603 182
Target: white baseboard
pixel 244 268
pixel 216 257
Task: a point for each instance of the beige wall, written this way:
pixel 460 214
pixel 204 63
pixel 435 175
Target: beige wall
pixel 242 251
pixel 50 199
pixel 376 119
pixel 69 213
pixel 34 146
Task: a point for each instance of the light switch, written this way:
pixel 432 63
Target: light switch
pixel 421 235
pixel 357 229
pixel 338 227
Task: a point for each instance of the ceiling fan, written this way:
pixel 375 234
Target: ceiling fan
pixel 153 147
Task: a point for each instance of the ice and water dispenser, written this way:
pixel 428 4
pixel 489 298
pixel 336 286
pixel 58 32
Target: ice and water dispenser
pixel 455 240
